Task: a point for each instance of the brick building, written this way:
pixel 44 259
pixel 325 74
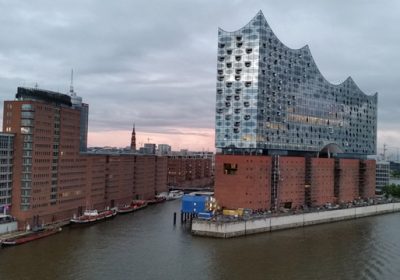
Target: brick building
pixel 52 178
pixel 185 172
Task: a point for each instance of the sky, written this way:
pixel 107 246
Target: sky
pixel 153 63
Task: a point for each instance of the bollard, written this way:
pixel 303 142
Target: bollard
pixel 174 218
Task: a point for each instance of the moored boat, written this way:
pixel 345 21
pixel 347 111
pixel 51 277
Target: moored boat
pixel 92 216
pixel 176 194
pixel 134 206
pixel 29 237
pixel 156 200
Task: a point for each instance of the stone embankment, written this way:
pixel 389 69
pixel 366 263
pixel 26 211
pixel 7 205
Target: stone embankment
pixel 272 223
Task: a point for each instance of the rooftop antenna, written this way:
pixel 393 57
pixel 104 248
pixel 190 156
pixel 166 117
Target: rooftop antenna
pixel 36 85
pixel 71 87
pixel 384 151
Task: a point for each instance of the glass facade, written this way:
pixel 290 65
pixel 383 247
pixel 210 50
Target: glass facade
pixel 271 97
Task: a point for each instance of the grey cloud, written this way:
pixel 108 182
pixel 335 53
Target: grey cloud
pixel 154 62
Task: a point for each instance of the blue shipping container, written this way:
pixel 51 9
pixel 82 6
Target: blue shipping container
pixel 194 204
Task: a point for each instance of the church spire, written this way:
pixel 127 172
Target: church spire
pixel 133 138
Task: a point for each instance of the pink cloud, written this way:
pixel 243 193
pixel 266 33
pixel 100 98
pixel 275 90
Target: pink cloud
pixel 191 139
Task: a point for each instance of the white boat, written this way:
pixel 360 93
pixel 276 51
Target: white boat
pixel 176 194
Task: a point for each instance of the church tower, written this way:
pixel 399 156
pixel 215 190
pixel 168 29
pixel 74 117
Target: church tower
pixel 133 139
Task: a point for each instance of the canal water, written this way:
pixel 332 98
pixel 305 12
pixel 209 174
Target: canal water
pixel 146 245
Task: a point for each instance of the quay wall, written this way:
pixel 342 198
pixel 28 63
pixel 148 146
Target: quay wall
pixel 267 224
pixel 8 227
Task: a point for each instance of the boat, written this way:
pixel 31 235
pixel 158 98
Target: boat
pixel 157 199
pixel 134 206
pixel 34 235
pixel 93 216
pixel 176 194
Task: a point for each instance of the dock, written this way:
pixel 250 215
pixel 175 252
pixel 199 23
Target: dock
pixel 236 228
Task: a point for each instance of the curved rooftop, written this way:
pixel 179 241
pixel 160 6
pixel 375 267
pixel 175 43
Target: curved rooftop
pixel 272 97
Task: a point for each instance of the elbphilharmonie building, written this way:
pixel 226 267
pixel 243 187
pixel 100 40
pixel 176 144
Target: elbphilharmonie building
pixel 273 99
pixel 285 136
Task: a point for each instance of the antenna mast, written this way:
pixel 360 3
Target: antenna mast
pixel 71 87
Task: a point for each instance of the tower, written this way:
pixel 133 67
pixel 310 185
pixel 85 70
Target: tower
pixel 133 138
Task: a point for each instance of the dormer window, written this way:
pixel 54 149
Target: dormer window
pixel 247 84
pixel 238 71
pixel 239 44
pixel 229 65
pixel 239 38
pixel 237 78
pixel 229 52
pixel 238 58
pixel 247 63
pixel 249 50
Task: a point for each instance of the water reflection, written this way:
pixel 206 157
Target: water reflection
pixel 145 245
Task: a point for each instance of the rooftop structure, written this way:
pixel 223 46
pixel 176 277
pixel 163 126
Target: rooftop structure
pixel 273 99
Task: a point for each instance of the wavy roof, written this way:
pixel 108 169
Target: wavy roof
pixel 260 17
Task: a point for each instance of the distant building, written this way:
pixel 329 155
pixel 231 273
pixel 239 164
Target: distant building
pixel 163 150
pixel 185 172
pixel 148 149
pixel 395 166
pixel 6 166
pixel 76 102
pixel 382 175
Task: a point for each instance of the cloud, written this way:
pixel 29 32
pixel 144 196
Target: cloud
pixel 154 62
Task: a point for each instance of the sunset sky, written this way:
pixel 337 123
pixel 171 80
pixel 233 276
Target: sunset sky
pixel 154 62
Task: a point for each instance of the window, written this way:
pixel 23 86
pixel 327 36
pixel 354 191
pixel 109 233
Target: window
pixel 238 58
pixel 230 168
pixel 247 63
pixel 249 50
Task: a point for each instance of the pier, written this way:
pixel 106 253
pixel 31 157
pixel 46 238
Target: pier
pixel 228 229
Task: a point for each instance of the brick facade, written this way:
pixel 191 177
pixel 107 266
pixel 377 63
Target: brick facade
pixel 243 181
pixel 246 181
